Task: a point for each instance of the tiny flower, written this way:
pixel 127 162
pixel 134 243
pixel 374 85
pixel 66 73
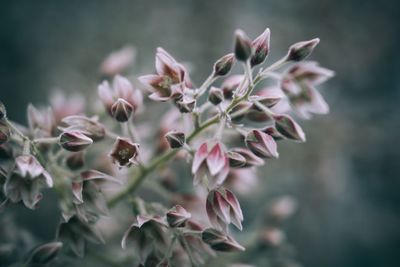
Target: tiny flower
pixel 215 95
pixel 89 126
pixel 261 144
pixel 121 88
pixel 74 141
pixel 289 128
pixel 177 216
pixel 261 48
pixel 220 241
pixel 251 159
pixel 212 163
pixel 223 208
pixel 236 159
pixel 124 152
pixel 118 61
pixel 121 110
pixel 175 139
pixel 224 65
pixel 301 50
pixel 243 49
pixel 26 181
pixel 44 254
pixel 4 131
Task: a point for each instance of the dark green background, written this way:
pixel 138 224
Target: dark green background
pixel 346 178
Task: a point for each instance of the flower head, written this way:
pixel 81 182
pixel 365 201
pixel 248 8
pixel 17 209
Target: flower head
pixel 124 152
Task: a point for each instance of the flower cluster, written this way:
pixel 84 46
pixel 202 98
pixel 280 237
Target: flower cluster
pixel 221 130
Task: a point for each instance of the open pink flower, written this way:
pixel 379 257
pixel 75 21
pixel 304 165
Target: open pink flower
pixel 171 77
pixel 211 162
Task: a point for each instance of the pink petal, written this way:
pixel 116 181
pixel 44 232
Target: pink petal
pixel 216 159
pixel 200 155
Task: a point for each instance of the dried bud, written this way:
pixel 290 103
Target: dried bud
pixel 301 50
pixel 75 161
pixel 4 131
pixel 3 112
pixel 219 241
pixel 124 152
pixel 262 144
pixel 121 110
pixel 261 48
pixel 74 141
pixel 216 95
pixel 175 139
pixel 236 159
pixel 223 208
pixel 243 49
pixel 289 128
pixel 177 216
pixel 224 65
pixel 44 254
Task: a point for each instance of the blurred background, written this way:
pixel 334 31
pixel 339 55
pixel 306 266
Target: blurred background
pixel 346 178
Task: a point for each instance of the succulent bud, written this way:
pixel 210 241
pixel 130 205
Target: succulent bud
pixel 177 216
pixel 124 152
pixel 224 65
pixel 272 131
pixel 74 141
pixel 121 110
pixel 90 126
pixel 3 112
pixel 236 160
pixel 44 254
pixel 251 159
pixel 262 144
pixel 301 50
pixel 289 128
pixel 4 131
pixel 261 48
pixel 216 95
pixel 175 139
pixel 242 47
pixel 219 241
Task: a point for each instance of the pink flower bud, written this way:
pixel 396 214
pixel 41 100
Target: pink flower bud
pixel 251 159
pixel 243 49
pixel 74 141
pixel 216 95
pixel 301 50
pixel 262 144
pixel 236 159
pixel 177 216
pixel 175 139
pixel 224 65
pixel 272 131
pixel 124 152
pixel 261 48
pixel 289 128
pixel 220 241
pixel 121 110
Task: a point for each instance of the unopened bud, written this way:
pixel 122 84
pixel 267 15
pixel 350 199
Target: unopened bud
pixel 121 110
pixel 261 48
pixel 289 128
pixel 224 65
pixel 236 160
pixel 4 131
pixel 44 254
pixel 273 132
pixel 301 50
pixel 177 216
pixel 262 144
pixel 216 95
pixel 242 46
pixel 175 139
pixel 74 141
pixel 219 241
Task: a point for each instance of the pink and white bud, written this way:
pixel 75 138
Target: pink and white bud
pixel 251 159
pixel 177 216
pixel 262 144
pixel 215 95
pixel 124 152
pixel 289 128
pixel 74 141
pixel 236 160
pixel 242 47
pixel 301 50
pixel 121 110
pixel 224 65
pixel 261 48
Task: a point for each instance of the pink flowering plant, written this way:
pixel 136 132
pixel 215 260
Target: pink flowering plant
pixel 103 160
